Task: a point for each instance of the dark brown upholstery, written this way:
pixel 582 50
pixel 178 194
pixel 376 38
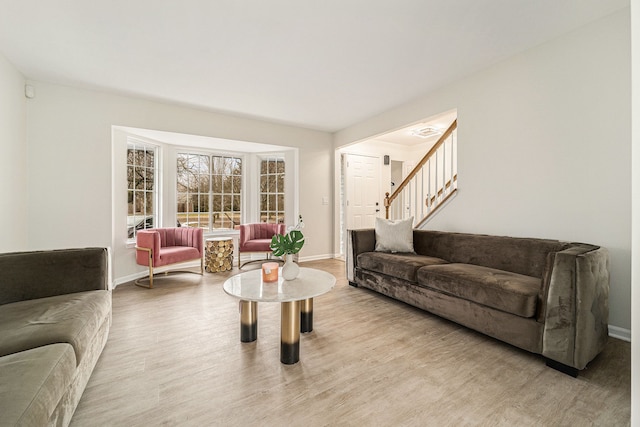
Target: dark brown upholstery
pixel 401 265
pixel 545 296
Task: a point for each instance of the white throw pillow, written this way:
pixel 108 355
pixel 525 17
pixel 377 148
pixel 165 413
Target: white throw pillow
pixel 394 236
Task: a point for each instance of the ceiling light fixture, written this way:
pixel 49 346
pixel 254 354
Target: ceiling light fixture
pixel 426 132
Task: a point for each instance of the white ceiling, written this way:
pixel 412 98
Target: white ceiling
pixel 405 137
pixel 323 65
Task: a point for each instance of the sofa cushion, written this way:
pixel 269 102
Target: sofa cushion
pixel 400 265
pixel 510 292
pixel 32 382
pixel 70 318
pixel 519 255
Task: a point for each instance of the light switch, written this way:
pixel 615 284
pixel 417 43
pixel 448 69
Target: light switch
pixel 325 200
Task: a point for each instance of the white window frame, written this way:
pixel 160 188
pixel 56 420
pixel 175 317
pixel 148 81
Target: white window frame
pixel 278 209
pixel 131 220
pixel 179 150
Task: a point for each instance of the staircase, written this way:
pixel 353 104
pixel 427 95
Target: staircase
pixel 432 182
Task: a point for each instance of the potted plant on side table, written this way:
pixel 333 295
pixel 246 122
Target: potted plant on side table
pixel 288 245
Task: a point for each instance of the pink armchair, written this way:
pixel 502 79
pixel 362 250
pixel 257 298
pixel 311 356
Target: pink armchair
pixel 156 247
pixel 257 238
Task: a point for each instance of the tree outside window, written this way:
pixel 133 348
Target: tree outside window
pixel 209 189
pixel 141 187
pixel 272 190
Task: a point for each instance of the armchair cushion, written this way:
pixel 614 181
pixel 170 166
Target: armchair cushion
pixel 257 237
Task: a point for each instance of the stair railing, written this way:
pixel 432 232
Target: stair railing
pixel 429 184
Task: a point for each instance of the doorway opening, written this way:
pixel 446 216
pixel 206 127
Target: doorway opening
pixel 377 165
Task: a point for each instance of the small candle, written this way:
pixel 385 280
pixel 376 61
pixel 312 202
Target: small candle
pixel 270 272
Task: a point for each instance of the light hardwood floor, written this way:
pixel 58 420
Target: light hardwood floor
pixel 174 357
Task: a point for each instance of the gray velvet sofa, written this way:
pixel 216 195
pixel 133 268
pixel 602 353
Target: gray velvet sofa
pixel 545 296
pixel 55 315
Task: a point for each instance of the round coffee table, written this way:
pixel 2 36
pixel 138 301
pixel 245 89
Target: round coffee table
pixel 296 298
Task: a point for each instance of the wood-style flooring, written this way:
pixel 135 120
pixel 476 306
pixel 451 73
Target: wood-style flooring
pixel 174 357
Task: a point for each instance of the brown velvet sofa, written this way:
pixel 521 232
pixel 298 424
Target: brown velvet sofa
pixel 545 296
pixel 55 315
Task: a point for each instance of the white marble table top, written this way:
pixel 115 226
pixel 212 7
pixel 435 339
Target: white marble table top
pixel 250 287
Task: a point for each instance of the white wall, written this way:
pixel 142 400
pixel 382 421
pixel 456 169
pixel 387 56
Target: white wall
pixel 13 157
pixel 544 146
pixel 635 258
pixel 70 168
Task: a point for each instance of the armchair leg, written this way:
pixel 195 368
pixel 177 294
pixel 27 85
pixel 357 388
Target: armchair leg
pixel 138 282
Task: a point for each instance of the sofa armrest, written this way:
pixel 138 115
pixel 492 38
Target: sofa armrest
pixel 577 308
pixel 40 274
pixel 358 241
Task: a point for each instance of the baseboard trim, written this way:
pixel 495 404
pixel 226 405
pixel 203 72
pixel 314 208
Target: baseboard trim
pixel 129 278
pixel 140 275
pixel 315 257
pixel 620 333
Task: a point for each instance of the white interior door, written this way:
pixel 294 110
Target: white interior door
pixel 363 191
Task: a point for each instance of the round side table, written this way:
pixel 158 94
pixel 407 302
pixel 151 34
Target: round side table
pixel 218 254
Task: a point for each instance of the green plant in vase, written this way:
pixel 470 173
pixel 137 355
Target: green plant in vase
pixel 287 245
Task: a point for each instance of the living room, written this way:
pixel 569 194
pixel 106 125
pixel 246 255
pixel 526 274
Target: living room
pixel 544 146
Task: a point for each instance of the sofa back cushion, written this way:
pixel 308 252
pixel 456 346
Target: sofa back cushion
pixel 518 255
pixel 40 274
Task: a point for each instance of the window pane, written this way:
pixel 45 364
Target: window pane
pixel 280 183
pixel 138 158
pixel 204 183
pixel 204 165
pixel 217 165
pixel 182 202
pixel 237 185
pixel 204 203
pixel 193 182
pixel 237 166
pixel 138 203
pixel 130 210
pixel 216 184
pixel 150 159
pixel 130 177
pixel 272 190
pixel 149 203
pixel 149 180
pixel 217 203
